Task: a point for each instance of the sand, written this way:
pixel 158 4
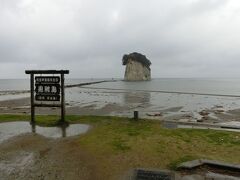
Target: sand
pixel 216 114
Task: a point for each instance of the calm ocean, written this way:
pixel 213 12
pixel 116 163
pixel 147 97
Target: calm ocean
pixel 206 86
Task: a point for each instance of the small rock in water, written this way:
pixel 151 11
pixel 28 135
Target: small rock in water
pixel 204 113
pixel 219 111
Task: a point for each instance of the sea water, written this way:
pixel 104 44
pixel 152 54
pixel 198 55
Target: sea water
pixel 189 85
pixel 146 96
pixel 205 86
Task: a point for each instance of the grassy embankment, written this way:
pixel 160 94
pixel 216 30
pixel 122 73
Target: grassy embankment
pixel 121 143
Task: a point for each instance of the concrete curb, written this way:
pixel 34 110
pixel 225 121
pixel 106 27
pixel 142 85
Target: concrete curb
pixel 204 125
pixel 200 162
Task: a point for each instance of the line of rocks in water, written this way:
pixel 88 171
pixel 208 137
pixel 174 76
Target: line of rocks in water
pixel 88 83
pixel 14 92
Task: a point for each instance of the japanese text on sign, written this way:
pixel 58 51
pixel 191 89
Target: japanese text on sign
pixel 47 88
pixel 47 79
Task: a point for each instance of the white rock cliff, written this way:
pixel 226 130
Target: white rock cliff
pixel 137 67
pixel 136 71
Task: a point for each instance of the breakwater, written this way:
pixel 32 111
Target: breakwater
pixel 88 83
pixel 16 92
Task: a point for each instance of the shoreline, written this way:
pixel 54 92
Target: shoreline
pixel 22 107
pixel 168 124
pixel 13 92
pixel 159 105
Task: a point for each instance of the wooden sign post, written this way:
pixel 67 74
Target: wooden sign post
pixel 49 87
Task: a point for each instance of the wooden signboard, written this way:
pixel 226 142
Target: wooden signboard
pixel 47 86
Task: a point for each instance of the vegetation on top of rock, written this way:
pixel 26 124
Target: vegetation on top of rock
pixel 136 57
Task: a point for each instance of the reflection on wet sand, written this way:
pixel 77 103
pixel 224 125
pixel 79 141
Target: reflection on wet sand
pixel 137 97
pixel 62 127
pixel 11 129
pixel 177 107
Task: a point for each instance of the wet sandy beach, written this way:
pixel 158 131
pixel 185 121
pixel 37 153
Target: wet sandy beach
pixel 153 105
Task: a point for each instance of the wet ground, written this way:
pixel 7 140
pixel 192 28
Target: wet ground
pixel 11 129
pixel 190 100
pixel 33 152
pixel 35 157
pixel 45 155
pixel 153 105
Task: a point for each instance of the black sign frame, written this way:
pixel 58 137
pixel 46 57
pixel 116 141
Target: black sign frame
pixel 50 80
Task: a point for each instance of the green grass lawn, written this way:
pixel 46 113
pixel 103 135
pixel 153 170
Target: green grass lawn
pixel 122 143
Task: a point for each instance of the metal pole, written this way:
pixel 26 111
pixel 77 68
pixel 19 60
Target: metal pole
pixel 135 115
pixel 62 99
pixel 32 98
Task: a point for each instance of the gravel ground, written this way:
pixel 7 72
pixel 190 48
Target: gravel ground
pixel 31 156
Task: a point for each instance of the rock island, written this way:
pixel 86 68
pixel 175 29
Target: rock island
pixel 137 67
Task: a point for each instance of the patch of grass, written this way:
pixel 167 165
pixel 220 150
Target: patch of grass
pixel 220 138
pixel 135 128
pixel 42 120
pixel 13 117
pixel 121 144
pixel 53 120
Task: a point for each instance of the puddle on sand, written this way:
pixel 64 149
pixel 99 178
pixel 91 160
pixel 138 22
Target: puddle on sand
pixel 11 129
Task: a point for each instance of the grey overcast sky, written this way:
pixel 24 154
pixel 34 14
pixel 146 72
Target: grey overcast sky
pixel 182 38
